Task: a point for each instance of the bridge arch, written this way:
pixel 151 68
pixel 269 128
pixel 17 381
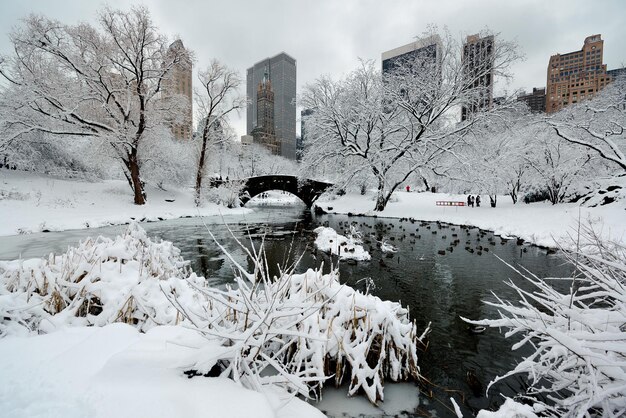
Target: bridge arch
pixel 306 189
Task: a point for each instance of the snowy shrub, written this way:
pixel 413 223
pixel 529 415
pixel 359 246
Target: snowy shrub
pixel 13 194
pixel 166 160
pixel 226 194
pixel 295 331
pixel 298 330
pixel 578 339
pixel 57 155
pixel 99 282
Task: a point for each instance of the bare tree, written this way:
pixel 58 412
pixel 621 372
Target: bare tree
pixel 400 123
pixel 103 82
pixel 215 99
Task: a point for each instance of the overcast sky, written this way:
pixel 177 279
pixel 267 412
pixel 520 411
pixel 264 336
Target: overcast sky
pixel 328 36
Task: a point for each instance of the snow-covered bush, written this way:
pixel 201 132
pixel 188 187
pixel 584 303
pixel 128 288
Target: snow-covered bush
pixel 60 156
pixel 226 194
pixel 297 330
pixel 99 282
pixel 166 161
pixel 578 338
pixel 294 331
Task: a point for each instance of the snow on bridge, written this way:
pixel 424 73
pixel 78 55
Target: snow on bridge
pixel 306 189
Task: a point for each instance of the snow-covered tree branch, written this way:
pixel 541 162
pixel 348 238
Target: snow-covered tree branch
pixel 597 124
pixel 400 123
pixel 578 364
pixel 104 83
pixel 215 100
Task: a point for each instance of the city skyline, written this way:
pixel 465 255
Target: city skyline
pixel 328 37
pixel 280 71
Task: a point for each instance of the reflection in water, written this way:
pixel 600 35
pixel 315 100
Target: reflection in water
pixel 441 272
pixel 208 259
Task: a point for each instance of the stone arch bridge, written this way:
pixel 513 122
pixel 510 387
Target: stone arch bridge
pixel 306 189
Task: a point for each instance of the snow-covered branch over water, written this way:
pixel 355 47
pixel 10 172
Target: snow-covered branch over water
pixel 295 331
pixel 578 364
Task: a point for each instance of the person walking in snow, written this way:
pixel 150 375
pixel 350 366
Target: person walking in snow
pixel 471 200
pixel 408 188
pixel 477 200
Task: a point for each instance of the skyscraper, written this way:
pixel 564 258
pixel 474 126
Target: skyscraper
pixel 264 132
pixel 577 75
pixel 281 73
pixel 478 56
pixel 423 51
pixel 179 83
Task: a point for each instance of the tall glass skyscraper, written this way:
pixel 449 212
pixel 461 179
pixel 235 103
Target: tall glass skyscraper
pixel 281 70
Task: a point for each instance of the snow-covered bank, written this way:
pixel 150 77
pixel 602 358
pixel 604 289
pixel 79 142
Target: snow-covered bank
pixel 540 223
pixel 115 371
pixel 32 202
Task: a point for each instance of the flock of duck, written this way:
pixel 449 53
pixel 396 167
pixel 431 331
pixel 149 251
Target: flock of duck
pixel 379 235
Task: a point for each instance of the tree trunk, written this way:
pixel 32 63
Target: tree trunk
pixel 200 172
pixel 382 198
pixel 137 185
pixel 381 202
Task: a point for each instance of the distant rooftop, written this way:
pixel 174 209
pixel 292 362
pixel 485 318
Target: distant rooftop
pixel 415 45
pixel 279 55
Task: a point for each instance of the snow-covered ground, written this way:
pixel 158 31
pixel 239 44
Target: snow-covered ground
pixel 540 223
pixel 32 202
pixel 116 371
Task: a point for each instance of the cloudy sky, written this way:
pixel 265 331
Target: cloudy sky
pixel 328 36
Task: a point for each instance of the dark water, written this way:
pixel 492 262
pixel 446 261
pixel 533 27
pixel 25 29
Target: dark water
pixel 437 288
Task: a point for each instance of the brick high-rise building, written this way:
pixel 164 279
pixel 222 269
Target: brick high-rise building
pixel 478 56
pixel 264 133
pixel 536 100
pixel 281 72
pixel 179 83
pixel 577 75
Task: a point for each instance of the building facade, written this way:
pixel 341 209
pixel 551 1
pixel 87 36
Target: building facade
pixel 264 133
pixel 477 59
pixel 536 101
pixel 281 73
pixel 304 137
pixel 577 75
pixel 422 52
pixel 179 83
pixel 617 73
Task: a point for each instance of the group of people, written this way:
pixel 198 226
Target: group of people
pixel 471 200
